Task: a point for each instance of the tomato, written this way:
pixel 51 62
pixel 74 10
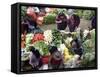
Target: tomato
pixel 38 37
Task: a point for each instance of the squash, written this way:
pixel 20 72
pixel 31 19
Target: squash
pixel 66 54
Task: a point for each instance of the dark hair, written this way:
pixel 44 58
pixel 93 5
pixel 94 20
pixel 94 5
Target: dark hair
pixel 61 14
pixel 53 49
pixel 77 18
pixel 30 20
pixel 73 23
pixel 93 22
pixel 35 52
pixel 79 50
pixel 77 42
pixel 69 34
pixel 24 27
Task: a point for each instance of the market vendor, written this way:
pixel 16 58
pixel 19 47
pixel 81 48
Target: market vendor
pixel 34 59
pixel 56 60
pixel 76 47
pixel 31 18
pixel 93 22
pixel 73 20
pixel 61 21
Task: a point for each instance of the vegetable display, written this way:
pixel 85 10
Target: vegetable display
pixel 54 38
pixel 57 38
pixel 66 54
pixel 43 41
pixel 42 47
pixel 48 37
pixel 37 37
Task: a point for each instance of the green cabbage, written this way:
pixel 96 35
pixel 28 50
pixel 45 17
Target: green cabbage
pixel 42 47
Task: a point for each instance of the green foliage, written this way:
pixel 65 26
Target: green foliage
pixel 88 14
pixel 42 47
pixel 57 38
pixel 55 12
pixel 50 19
pixel 89 50
pixel 79 13
pixel 85 14
pixel 62 10
pixel 23 11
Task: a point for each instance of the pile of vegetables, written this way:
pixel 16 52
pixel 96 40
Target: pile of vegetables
pixel 89 50
pixel 43 41
pixel 62 40
pixel 49 19
pixel 67 55
pixel 57 38
pixel 37 37
pixel 28 41
pixel 48 36
pixel 42 47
